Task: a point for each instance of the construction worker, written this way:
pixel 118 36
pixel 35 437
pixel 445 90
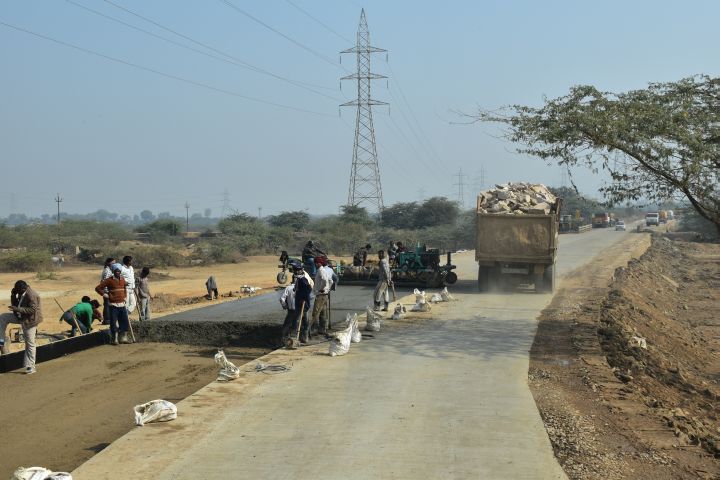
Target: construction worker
pixel 287 301
pixel 360 256
pixel 116 294
pixel 107 273
pixel 384 282
pixel 128 273
pixel 308 256
pixel 321 289
pixel 211 286
pixel 143 294
pixel 303 289
pixel 24 310
pixel 82 312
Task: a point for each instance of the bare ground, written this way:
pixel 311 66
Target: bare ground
pixel 75 406
pixel 612 408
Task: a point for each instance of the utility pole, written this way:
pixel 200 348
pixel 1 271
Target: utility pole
pixel 365 173
pixel 58 200
pixel 225 204
pixel 187 217
pixel 461 188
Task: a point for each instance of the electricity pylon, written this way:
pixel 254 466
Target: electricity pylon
pixel 365 173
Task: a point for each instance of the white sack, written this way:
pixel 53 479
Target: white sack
pixel 340 343
pixel 436 298
pixel 39 473
pixel 399 312
pixel 228 371
pixel 351 320
pixel 373 321
pixel 421 304
pixel 155 411
pixel 446 295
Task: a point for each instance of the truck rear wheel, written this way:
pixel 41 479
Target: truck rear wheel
pixel 549 279
pixel 483 279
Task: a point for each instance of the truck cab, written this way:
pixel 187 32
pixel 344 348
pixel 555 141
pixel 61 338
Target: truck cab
pixel 652 218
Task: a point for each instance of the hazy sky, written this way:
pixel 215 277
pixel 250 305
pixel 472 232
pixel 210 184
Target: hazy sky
pixel 186 127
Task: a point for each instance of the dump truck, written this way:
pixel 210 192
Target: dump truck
pixel 522 248
pixel 601 220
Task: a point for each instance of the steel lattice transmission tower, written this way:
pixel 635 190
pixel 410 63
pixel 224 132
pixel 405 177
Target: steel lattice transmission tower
pixel 365 173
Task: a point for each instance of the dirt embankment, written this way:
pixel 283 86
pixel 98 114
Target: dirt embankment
pixel 77 405
pixel 626 375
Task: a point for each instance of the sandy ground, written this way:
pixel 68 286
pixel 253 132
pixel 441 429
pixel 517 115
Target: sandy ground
pixel 175 289
pixel 81 414
pixel 615 408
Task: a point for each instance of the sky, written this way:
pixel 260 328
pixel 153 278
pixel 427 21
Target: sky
pixel 127 105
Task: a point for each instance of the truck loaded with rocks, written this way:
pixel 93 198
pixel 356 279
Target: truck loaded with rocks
pixel 517 236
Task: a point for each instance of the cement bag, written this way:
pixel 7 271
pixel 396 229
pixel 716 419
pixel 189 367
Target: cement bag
pixel 228 371
pixel 356 336
pixel 421 304
pixel 446 295
pixel 39 473
pixel 340 343
pixel 399 312
pixel 373 321
pixel 155 411
pixel 436 298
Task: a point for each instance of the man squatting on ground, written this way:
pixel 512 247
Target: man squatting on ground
pixel 128 273
pixel 25 310
pixel 321 289
pixel 84 312
pixel 116 294
pixel 143 294
pixel 384 281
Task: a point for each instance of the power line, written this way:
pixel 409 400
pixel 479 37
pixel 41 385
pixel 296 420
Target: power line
pixel 329 29
pixel 412 114
pixel 232 60
pixel 292 40
pixel 162 74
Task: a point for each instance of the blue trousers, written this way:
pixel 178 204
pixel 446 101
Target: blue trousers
pixel 118 318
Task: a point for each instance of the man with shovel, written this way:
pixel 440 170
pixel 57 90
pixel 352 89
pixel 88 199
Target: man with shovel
pixel 116 295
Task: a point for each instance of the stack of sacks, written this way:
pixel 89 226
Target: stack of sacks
pixel 517 199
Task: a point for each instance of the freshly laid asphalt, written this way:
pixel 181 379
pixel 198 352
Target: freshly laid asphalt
pixel 442 394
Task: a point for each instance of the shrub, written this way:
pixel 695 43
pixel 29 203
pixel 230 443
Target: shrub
pixel 24 261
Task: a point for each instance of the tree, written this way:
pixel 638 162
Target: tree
pixel 665 139
pixel 400 215
pixel 147 216
pixel 207 213
pixel 436 211
pixel 356 215
pixel 297 220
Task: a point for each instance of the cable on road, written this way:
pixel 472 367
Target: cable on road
pixel 269 368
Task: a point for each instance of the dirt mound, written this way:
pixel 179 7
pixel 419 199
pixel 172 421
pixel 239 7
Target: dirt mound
pixel 626 375
pixel 658 328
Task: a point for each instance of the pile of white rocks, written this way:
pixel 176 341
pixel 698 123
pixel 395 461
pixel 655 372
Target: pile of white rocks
pixel 517 199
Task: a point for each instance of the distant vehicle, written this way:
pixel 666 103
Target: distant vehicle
pixel 670 215
pixel 663 216
pixel 601 220
pixel 620 225
pixel 652 218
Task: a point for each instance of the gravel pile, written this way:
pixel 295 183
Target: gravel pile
pixel 517 199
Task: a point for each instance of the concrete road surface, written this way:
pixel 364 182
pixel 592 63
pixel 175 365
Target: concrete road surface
pixel 442 395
